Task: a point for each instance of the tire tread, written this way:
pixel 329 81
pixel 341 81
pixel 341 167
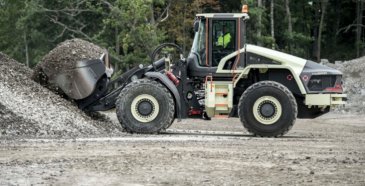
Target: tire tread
pixel 278 86
pixel 121 100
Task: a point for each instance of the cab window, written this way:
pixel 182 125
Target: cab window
pixel 224 39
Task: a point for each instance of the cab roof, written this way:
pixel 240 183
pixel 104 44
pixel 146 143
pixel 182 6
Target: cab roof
pixel 223 15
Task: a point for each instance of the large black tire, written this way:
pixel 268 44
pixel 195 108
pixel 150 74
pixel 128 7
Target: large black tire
pixel 267 109
pixel 145 106
pixel 169 125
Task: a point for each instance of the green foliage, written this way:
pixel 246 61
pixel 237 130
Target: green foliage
pixel 132 26
pixel 131 29
pixel 10 41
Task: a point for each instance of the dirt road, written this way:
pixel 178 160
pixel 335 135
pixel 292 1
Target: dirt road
pixel 326 151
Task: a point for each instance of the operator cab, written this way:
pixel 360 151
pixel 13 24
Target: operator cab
pixel 216 36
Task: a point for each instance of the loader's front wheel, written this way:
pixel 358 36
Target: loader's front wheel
pixel 145 106
pixel 267 109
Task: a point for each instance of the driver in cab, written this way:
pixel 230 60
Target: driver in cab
pixel 224 39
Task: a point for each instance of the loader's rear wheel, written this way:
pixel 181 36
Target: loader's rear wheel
pixel 145 106
pixel 267 109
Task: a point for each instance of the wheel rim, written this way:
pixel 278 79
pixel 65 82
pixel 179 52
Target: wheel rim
pixel 267 110
pixel 145 108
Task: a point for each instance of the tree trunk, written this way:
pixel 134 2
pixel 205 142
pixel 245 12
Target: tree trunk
pixel 317 7
pixel 26 49
pixel 323 8
pixel 272 23
pixel 152 20
pixel 336 26
pixel 290 26
pixel 359 7
pixel 117 48
pixel 259 22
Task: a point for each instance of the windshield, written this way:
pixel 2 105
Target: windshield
pixel 199 42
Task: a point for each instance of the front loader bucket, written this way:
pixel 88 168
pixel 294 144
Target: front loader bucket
pixel 79 82
pixel 114 88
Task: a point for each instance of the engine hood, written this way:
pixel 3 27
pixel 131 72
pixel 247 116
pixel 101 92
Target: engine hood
pixel 296 64
pixel 314 68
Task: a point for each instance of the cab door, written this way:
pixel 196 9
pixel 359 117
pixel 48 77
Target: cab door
pixel 223 39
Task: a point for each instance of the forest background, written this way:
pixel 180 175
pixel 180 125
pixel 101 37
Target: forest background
pixel 131 29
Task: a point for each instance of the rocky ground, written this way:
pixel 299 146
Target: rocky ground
pixel 326 151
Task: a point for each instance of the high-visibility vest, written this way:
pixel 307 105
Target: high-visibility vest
pixel 224 40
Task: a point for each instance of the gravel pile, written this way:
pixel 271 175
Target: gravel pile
pixel 64 57
pixel 354 84
pixel 29 110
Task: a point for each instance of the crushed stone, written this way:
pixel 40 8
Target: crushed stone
pixel 353 84
pixel 29 110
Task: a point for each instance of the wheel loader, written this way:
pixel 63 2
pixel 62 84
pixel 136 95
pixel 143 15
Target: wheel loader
pixel 221 77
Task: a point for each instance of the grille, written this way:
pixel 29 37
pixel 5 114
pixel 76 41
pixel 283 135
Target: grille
pixel 319 83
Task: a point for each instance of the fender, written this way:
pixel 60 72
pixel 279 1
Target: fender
pixel 243 73
pixel 172 88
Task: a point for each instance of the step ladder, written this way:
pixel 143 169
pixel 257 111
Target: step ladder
pixel 218 97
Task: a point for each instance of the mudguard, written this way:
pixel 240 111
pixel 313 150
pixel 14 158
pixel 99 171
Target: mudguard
pixel 168 83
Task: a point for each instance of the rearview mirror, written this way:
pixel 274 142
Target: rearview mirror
pixel 196 25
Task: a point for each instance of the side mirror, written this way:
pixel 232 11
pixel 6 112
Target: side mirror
pixel 196 26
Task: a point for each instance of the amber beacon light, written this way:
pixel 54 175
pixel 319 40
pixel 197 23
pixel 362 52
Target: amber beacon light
pixel 244 9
